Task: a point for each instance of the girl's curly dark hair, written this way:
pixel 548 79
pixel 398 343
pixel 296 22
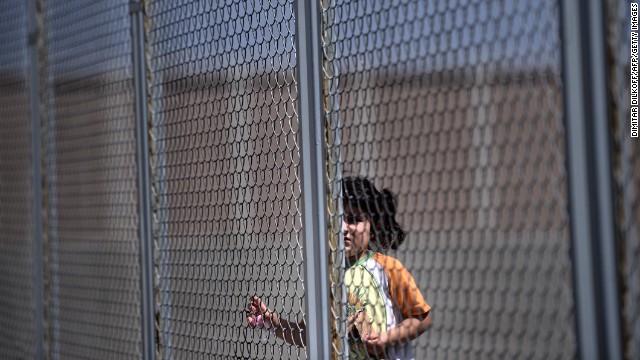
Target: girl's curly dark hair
pixel 378 206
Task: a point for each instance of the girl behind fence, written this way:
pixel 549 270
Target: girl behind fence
pixel 385 308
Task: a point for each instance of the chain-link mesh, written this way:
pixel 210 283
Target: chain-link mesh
pixel 17 302
pixel 457 108
pixel 90 171
pixel 626 172
pixel 226 175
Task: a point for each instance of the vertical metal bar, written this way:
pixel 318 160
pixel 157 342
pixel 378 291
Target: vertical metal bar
pixel 343 265
pixel 602 175
pixel 338 175
pixel 336 198
pixel 36 151
pixel 589 172
pixel 334 151
pixel 312 151
pixel 144 179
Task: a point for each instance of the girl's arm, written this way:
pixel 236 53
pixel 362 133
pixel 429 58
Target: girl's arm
pixel 408 299
pixel 292 332
pixel 407 330
pixel 289 331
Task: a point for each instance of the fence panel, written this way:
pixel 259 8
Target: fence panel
pixel 226 175
pixel 457 108
pixel 17 265
pixel 626 172
pixel 93 294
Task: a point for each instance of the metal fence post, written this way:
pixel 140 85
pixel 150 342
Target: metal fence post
pixel 590 186
pixel 38 251
pixel 312 149
pixel 144 179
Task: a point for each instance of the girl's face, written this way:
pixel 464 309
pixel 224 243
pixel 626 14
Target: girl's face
pixel 356 227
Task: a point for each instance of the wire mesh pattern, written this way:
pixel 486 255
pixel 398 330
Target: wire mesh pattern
pixel 17 337
pixel 226 175
pixel 626 172
pixel 91 198
pixel 446 117
pixel 457 108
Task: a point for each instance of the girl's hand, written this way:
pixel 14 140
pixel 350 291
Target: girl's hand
pixel 259 314
pixel 355 318
pixel 376 343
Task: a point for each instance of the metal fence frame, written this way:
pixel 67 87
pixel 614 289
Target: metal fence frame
pixel 589 169
pixel 313 150
pixel 590 190
pixel 144 180
pixel 34 83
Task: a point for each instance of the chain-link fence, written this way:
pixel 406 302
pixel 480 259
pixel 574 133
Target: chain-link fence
pixel 17 287
pixel 90 192
pixel 225 140
pixel 458 109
